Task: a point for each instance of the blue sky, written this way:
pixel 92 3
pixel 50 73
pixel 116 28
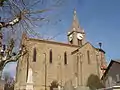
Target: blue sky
pixel 99 18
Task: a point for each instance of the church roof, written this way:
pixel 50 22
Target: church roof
pixel 54 42
pixel 75 24
pixel 86 44
pixel 25 37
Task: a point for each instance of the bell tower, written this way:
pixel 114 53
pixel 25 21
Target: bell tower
pixel 76 34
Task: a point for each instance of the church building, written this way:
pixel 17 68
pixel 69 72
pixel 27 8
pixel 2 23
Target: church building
pixel 47 61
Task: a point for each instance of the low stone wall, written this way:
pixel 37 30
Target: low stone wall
pixel 71 88
pixel 82 88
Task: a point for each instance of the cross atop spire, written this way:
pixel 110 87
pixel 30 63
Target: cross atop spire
pixel 75 14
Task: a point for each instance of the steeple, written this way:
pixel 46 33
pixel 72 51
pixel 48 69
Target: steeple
pixel 76 33
pixel 75 24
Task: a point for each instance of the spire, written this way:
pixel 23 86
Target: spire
pixel 75 23
pixel 76 34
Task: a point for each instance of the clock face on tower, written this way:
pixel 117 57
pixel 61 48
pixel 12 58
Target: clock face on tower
pixel 70 37
pixel 79 36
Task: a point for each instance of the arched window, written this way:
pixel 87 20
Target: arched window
pixel 27 70
pixel 79 42
pixel 50 56
pixel 65 58
pixel 71 42
pixel 88 56
pixel 34 55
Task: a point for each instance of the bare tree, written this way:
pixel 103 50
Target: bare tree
pixel 26 14
pixel 17 16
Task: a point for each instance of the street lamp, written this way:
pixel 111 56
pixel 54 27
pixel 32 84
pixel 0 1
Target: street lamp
pixel 100 44
pixel 103 67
